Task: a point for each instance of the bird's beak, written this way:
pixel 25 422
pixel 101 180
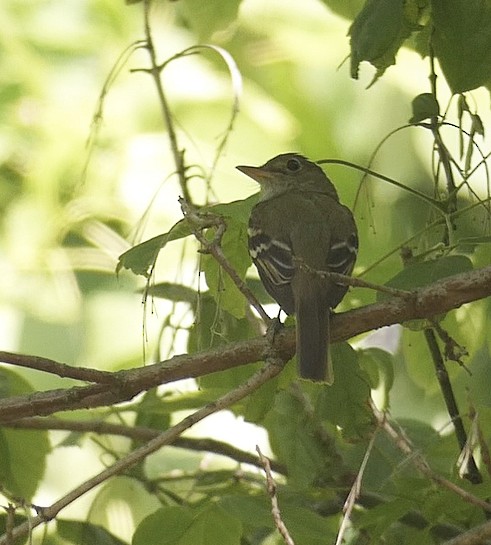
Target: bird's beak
pixel 260 174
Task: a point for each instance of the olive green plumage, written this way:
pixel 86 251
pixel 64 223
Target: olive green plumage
pixel 297 230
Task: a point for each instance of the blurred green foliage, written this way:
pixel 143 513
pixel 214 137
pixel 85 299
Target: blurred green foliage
pixel 88 185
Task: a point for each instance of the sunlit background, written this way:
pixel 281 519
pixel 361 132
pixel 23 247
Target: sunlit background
pixel 86 171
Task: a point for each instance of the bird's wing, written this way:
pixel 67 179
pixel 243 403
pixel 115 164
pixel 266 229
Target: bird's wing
pixel 342 254
pixel 272 256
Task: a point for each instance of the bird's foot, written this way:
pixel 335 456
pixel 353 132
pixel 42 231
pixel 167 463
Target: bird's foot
pixel 274 327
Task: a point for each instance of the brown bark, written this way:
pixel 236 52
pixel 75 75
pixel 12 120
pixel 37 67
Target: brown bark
pixel 106 389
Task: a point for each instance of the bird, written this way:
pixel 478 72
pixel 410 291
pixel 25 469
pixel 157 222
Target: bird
pixel 297 231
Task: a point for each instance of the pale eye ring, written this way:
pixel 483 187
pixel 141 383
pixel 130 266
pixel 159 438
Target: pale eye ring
pixel 293 165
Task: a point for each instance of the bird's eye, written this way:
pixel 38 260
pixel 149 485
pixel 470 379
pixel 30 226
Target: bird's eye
pixel 293 165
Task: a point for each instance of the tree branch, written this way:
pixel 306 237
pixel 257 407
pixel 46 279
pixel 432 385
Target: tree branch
pixel 140 433
pixel 275 508
pixel 53 367
pixel 476 536
pixel 166 113
pixel 214 248
pixel 422 465
pixel 167 437
pixel 437 298
pixel 470 469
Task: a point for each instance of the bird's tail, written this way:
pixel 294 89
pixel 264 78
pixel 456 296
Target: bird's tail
pixel 313 352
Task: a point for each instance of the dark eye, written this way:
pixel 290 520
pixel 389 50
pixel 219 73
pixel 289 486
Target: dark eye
pixel 293 165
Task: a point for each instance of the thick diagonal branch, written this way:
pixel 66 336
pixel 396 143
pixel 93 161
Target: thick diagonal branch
pixel 437 298
pixel 165 438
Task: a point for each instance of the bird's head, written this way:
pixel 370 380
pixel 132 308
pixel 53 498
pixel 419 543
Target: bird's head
pixel 289 172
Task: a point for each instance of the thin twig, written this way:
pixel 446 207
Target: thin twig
pixel 453 350
pixel 355 492
pixel 482 441
pixel 481 535
pixel 140 433
pixel 440 148
pixel 433 202
pixel 346 280
pixel 471 472
pixel 422 465
pixel 155 72
pixel 438 222
pixel 214 248
pixel 236 80
pixel 45 514
pixel 53 367
pixel 98 114
pixel 275 508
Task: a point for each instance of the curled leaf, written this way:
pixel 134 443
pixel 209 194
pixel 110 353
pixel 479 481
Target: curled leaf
pixel 425 106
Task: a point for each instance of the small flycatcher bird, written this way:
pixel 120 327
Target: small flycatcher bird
pixel 297 231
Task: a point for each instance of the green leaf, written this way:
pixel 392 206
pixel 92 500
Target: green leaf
pixel 462 42
pixel 23 460
pixel 221 286
pixel 420 274
pixel 379 518
pixel 238 210
pixel 345 403
pixel 173 292
pixel 22 452
pixel 213 327
pixel 223 381
pixel 423 273
pixel 379 366
pixel 184 401
pixel 417 359
pixel 164 527
pixel 424 107
pixel 211 526
pixel 260 402
pixel 85 533
pixel 481 239
pixel 294 440
pixel 346 8
pixel 441 450
pixel 123 494
pixel 305 525
pixel 386 461
pixel 379 30
pixel 251 510
pixel 141 257
pixel 151 413
pixel 205 18
pixel 184 526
